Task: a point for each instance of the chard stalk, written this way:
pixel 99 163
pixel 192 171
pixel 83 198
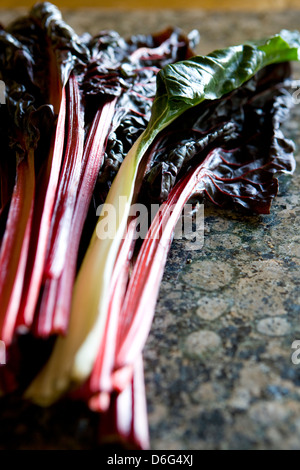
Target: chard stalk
pixel 63 211
pixel 64 52
pixel 126 420
pixel 92 162
pixel 38 249
pixel 14 248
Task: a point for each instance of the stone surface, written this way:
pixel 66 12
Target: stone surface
pixel 202 342
pixel 235 306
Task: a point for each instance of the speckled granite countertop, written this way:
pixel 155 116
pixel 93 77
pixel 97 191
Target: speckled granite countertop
pixel 218 363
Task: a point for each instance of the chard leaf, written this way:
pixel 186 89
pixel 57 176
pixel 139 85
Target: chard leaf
pixel 186 84
pixel 244 123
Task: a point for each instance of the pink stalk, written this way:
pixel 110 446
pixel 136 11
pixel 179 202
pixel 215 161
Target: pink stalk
pixel 126 420
pixel 139 305
pixel 14 248
pixel 63 210
pixel 68 184
pixel 42 223
pixel 92 162
pixel 139 429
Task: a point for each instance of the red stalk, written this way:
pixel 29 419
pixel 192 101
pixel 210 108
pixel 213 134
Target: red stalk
pixel 63 210
pixel 42 222
pixel 14 249
pixel 139 429
pixel 92 162
pixel 139 305
pixel 126 420
pixel 68 185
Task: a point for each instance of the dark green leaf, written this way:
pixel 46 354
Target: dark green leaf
pixel 186 84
